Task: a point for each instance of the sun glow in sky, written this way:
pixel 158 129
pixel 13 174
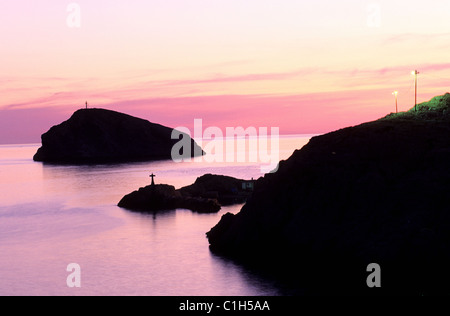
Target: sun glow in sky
pixel 303 66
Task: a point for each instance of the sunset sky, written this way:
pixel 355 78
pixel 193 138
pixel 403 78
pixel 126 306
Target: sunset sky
pixel 304 66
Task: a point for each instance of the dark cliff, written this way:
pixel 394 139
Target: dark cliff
pixel 374 193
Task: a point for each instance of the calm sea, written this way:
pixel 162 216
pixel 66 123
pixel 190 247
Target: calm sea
pixel 52 216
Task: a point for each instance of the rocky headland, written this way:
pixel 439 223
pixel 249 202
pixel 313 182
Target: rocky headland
pixel 374 193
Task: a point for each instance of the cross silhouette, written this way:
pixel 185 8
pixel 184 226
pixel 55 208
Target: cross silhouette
pixel 153 176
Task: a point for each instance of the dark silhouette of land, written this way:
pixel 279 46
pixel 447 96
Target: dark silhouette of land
pixel 104 136
pixel 374 193
pixel 164 197
pixel 207 195
pixel 226 190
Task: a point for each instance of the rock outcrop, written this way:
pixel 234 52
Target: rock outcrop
pixel 162 197
pixel 104 136
pixel 374 193
pixel 227 190
pixel 207 195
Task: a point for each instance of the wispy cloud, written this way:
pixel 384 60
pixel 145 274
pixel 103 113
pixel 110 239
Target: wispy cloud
pixel 416 37
pixel 69 93
pixel 222 78
pixel 297 113
pixel 174 96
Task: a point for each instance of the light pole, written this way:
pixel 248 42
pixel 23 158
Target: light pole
pixel 415 73
pixel 396 104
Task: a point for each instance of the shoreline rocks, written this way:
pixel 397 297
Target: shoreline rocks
pixel 207 195
pixel 163 197
pixel 227 190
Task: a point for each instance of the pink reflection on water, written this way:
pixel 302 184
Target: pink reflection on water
pixel 51 216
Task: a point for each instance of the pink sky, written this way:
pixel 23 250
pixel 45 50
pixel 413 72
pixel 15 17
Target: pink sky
pixel 303 66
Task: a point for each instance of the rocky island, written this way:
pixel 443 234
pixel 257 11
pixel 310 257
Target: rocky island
pixel 207 195
pixel 374 193
pixel 163 197
pixel 104 136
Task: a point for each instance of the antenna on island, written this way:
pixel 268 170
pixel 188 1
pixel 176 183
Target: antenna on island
pixel 415 73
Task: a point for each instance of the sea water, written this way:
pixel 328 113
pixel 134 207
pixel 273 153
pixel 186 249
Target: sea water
pixel 52 216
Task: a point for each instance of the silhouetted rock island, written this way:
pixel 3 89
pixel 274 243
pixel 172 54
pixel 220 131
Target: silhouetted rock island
pixel 161 197
pixel 206 195
pixel 104 136
pixel 374 193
